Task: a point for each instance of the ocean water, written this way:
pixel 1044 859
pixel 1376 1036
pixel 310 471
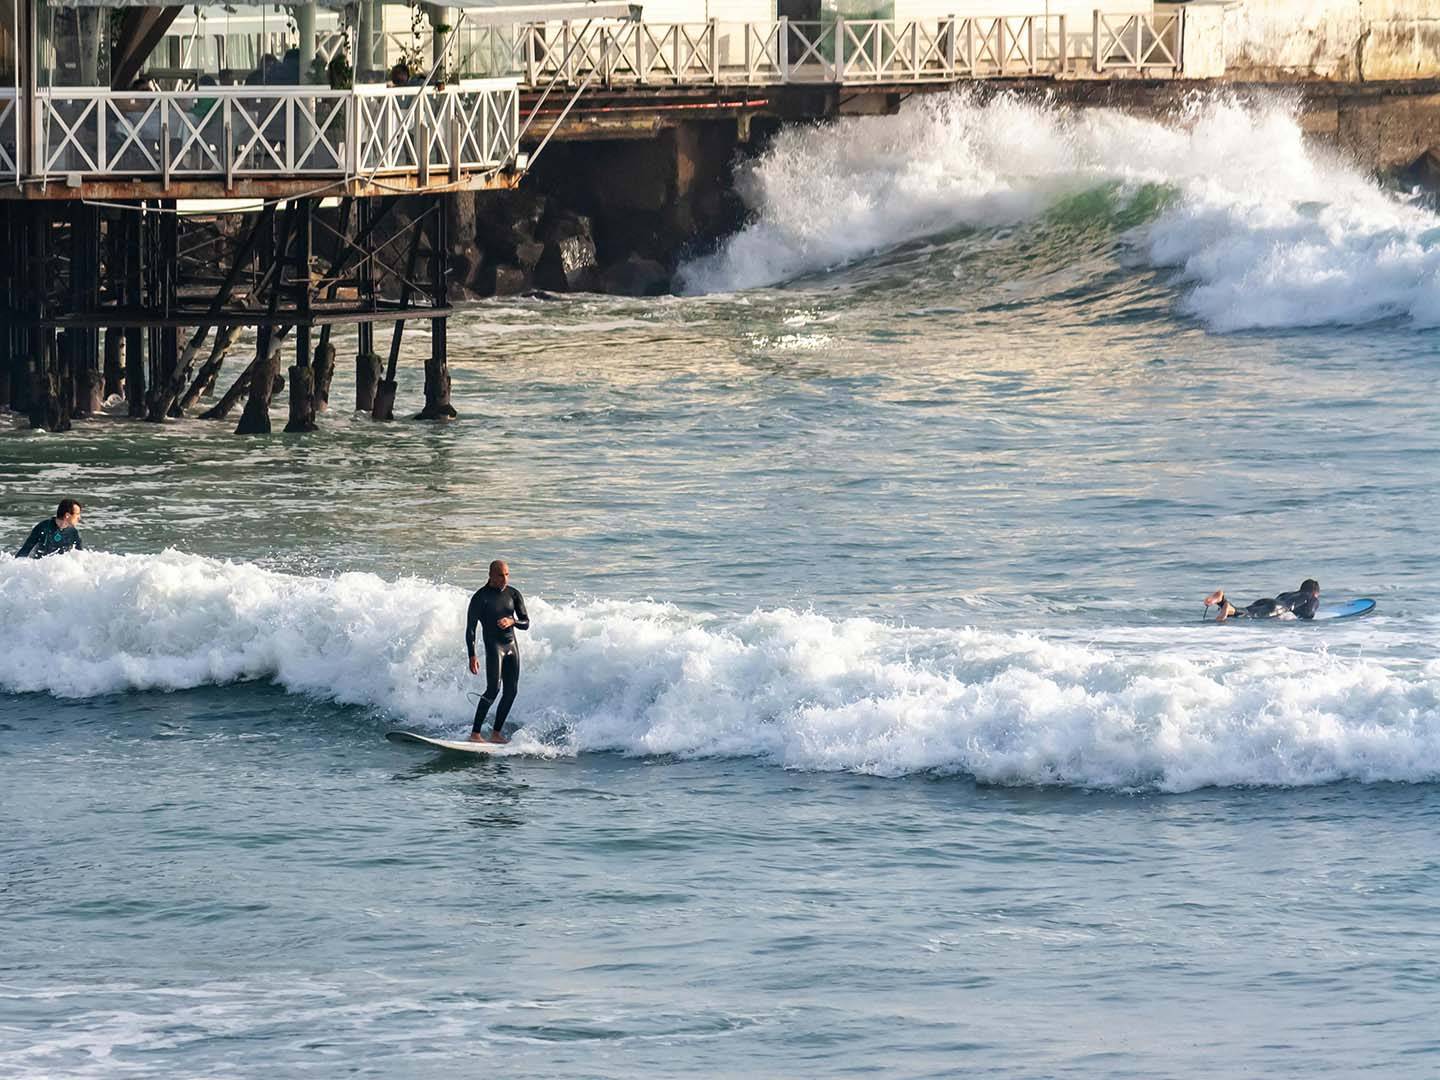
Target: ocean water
pixel 868 724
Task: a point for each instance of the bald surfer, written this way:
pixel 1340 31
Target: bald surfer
pixel 1300 604
pixel 499 610
pixel 54 535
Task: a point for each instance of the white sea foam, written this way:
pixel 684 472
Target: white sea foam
pixel 1144 708
pixel 1264 230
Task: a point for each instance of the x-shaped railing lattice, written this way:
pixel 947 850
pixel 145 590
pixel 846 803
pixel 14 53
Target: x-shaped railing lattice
pixel 195 133
pixel 71 134
pixel 9 140
pixel 1137 41
pixel 321 117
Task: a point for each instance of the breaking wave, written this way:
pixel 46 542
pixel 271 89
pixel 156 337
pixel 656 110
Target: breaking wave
pixel 1261 229
pixel 1167 709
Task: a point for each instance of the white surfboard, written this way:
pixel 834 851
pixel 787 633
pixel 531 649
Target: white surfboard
pixel 459 746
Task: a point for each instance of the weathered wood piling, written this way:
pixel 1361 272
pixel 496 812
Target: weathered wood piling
pixel 97 300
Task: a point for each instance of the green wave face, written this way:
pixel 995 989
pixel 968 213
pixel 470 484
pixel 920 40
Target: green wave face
pixel 1112 206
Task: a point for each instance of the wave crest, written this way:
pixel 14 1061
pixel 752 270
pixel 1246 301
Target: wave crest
pixel 1262 228
pixel 1145 709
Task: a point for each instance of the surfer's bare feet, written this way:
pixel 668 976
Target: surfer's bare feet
pixel 475 736
pixel 496 737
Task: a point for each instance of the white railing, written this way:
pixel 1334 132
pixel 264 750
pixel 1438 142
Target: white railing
pixel 839 51
pixel 275 132
pixel 473 123
pixel 1138 42
pixel 843 51
pixel 9 134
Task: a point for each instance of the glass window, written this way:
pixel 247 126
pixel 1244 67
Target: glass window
pixel 74 44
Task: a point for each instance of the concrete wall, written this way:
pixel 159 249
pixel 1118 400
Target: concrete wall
pixel 1349 40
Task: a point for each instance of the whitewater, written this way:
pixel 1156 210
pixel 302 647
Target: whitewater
pixel 1170 709
pixel 867 720
pixel 1260 228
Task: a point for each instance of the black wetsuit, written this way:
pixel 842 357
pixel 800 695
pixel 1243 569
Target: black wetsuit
pixel 1300 604
pixel 502 654
pixel 48 538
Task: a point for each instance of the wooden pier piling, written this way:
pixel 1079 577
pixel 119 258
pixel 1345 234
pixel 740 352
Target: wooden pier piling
pixel 140 301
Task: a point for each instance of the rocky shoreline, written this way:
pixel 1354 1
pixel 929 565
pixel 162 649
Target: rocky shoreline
pixel 613 217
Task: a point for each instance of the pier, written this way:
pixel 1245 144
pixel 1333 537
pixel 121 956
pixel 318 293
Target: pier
pixel 180 184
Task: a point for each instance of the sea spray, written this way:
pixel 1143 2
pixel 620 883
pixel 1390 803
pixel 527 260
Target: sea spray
pixel 1263 228
pixel 795 689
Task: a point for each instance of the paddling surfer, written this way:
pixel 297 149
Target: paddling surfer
pixel 499 609
pixel 1301 604
pixel 54 535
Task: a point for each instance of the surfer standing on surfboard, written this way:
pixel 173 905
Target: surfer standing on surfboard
pixel 1301 604
pixel 500 611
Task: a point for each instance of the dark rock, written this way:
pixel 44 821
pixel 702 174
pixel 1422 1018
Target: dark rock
pixel 460 221
pixel 1422 173
pixel 463 268
pixel 501 279
pixel 618 235
pixel 528 252
pixel 464 294
pixel 566 225
pixel 568 263
pixel 636 276
pixel 507 220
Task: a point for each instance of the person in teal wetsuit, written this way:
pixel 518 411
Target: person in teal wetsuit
pixel 54 535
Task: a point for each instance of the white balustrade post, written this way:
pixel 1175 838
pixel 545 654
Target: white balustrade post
pixel 164 144
pixel 350 107
pixel 228 132
pixel 783 49
pixel 839 48
pixel 455 112
pixel 1064 48
pixel 290 107
pixel 1098 60
pixel 35 166
pixel 487 138
pixel 714 53
pixel 101 133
